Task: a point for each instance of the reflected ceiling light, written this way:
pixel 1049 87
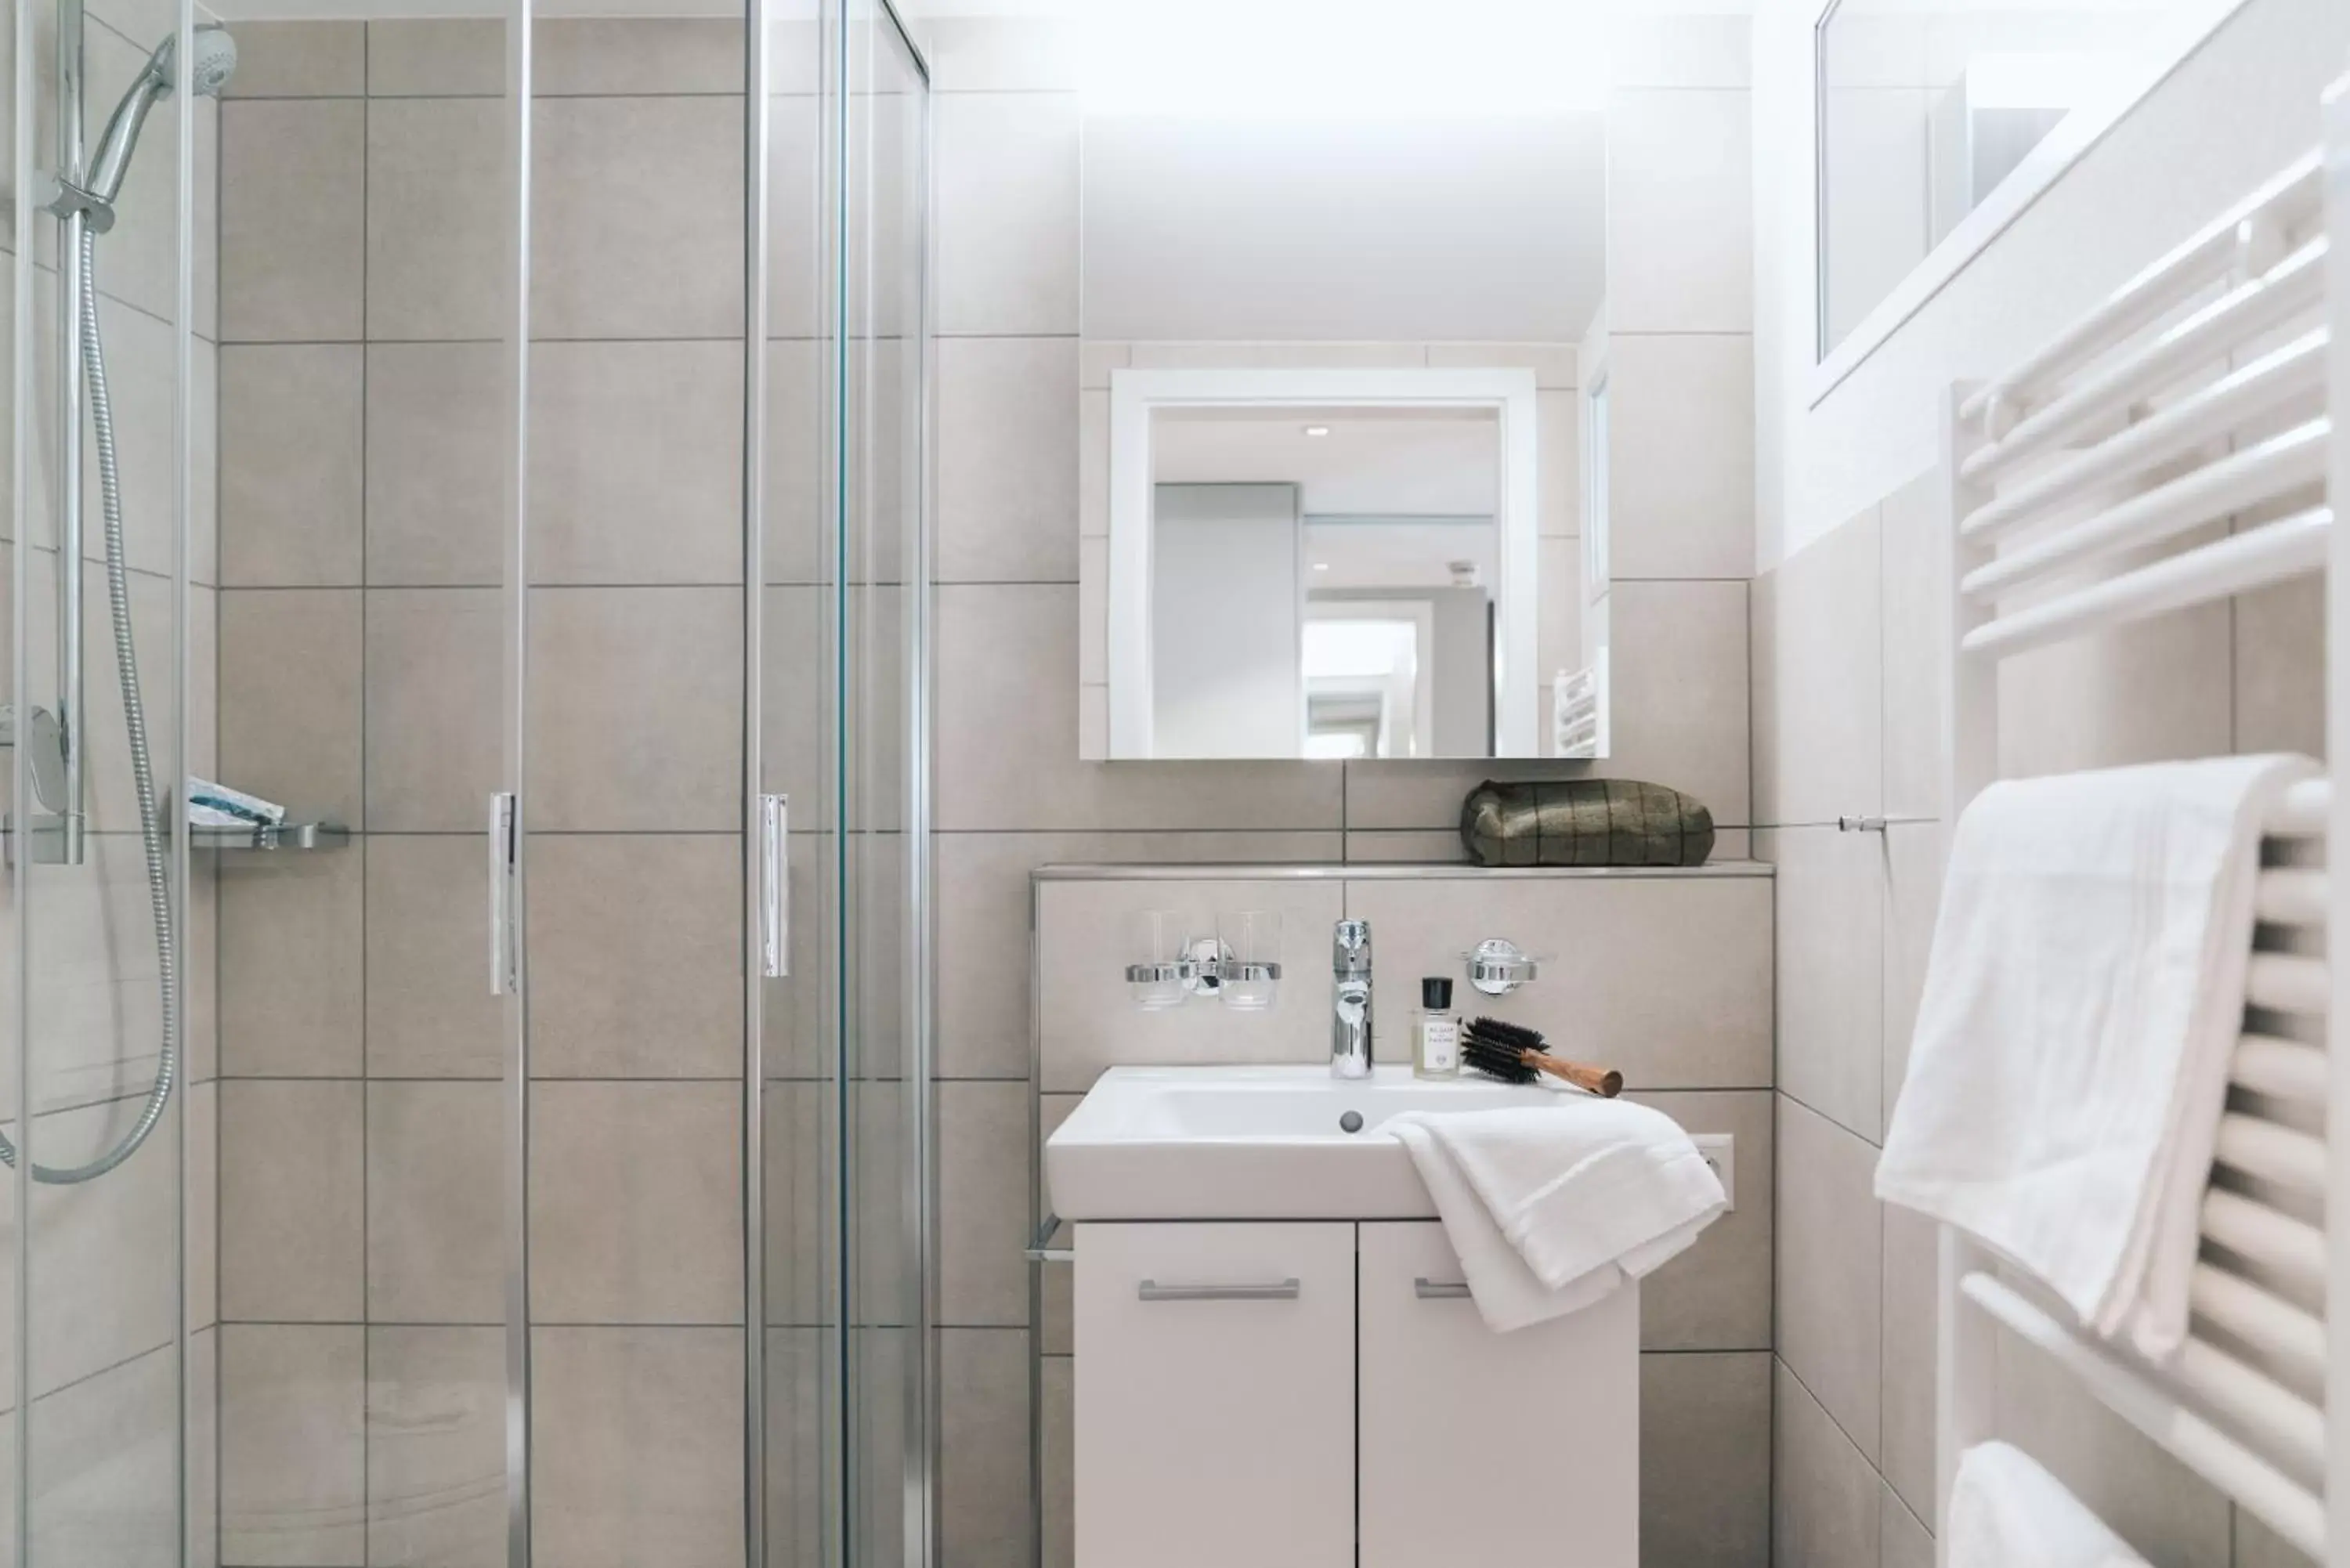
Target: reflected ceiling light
pixel 1317 430
pixel 1321 565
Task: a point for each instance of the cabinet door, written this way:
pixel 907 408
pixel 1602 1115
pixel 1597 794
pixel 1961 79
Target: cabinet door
pixel 1505 1451
pixel 1215 1395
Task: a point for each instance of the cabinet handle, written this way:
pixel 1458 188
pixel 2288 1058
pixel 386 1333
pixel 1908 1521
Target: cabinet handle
pixel 1430 1289
pixel 1152 1291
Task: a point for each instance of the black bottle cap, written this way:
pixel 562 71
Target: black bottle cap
pixel 1436 994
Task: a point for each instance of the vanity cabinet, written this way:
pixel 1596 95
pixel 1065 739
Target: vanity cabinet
pixel 1269 1395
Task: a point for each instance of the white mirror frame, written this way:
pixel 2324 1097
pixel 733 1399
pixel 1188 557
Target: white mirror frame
pixel 1136 397
pixel 2058 150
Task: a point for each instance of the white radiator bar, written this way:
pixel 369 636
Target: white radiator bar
pixel 2265 1236
pixel 2304 812
pixel 2289 379
pixel 2291 896
pixel 2243 479
pixel 2267 1323
pixel 2220 570
pixel 2287 982
pixel 2281 1069
pixel 2295 287
pixel 2230 243
pixel 2273 1152
pixel 2289 1508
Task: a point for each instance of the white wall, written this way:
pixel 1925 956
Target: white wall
pixel 1224 608
pixel 2243 106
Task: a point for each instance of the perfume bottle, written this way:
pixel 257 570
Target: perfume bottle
pixel 1435 1032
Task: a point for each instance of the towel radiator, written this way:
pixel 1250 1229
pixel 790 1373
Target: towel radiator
pixel 2175 449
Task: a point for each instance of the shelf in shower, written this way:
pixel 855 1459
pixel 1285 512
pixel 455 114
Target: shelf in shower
pixel 283 836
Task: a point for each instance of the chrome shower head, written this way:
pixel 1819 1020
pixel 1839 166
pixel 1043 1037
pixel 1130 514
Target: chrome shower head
pixel 214 62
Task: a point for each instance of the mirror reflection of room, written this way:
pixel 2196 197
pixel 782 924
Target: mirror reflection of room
pixel 1324 581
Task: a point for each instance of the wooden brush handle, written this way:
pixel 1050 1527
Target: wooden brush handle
pixel 1605 1082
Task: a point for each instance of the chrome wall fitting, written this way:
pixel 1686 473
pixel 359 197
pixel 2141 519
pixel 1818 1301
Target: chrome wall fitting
pixel 1498 966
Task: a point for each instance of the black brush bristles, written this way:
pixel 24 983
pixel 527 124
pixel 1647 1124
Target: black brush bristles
pixel 1509 1034
pixel 1498 1050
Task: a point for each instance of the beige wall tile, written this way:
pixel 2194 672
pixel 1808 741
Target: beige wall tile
pixel 430 1013
pixel 636 462
pixel 435 1216
pixel 200 1207
pixel 95 1000
pixel 104 1253
pixel 983 1157
pixel 1007 487
pixel 1915 611
pixel 802 1188
pixel 436 1458
pixel 636 961
pixel 433 714
pixel 633 57
pixel 292 938
pixel 1060 1337
pixel 2174 1517
pixel 984 945
pixel 289 687
pixel 2149 692
pixel 1680 212
pixel 983 1480
pixel 2258 1546
pixel 1705 1460
pixel 637 1447
pixel 801 708
pixel 1680 413
pixel 1717 1295
pixel 2280 697
pixel 104 1477
pixel 1553 363
pixel 1823 1501
pixel 1093 451
pixel 1913 896
pixel 1096 360
pixel 292 1442
pixel 1830 1269
pixel 1831 971
pixel 798 387
pixel 1903 1540
pixel 1680 690
pixel 636 708
pixel 440 57
pixel 292 1201
pixel 1060 1461
pixel 1007 736
pixel 1911 1294
pixel 290 470
pixel 1617 985
pixel 1086 935
pixel 1818 676
pixel 636 1202
pixel 436 469
pixel 796 1043
pixel 299 59
pixel 1006 174
pixel 293 219
pixel 437 191
pixel 1558 420
pixel 1408 845
pixel 637 224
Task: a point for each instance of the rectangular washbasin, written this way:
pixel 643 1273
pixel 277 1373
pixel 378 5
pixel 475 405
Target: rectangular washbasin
pixel 1254 1143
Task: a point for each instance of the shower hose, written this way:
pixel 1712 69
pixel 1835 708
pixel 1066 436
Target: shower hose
pixel 143 769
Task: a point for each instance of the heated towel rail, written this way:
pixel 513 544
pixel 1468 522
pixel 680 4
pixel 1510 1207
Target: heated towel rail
pixel 2174 449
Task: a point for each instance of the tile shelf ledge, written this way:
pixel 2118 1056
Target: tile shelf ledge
pixel 1385 871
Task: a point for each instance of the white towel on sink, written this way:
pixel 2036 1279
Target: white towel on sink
pixel 2086 990
pixel 1552 1207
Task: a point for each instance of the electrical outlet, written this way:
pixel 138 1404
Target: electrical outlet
pixel 1720 1152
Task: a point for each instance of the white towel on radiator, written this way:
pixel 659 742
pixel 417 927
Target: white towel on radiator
pixel 2082 1005
pixel 2008 1512
pixel 1552 1207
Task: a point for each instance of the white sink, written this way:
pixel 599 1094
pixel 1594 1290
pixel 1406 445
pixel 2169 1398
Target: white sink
pixel 1254 1143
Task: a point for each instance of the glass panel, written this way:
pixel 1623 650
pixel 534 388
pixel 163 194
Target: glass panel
pixel 113 1073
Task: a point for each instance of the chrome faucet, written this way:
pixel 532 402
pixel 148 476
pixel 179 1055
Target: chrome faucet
pixel 1350 1018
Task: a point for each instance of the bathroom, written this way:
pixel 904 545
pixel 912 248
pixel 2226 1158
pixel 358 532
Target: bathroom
pixel 617 569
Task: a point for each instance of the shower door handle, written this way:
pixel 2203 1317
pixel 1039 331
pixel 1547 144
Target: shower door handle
pixel 775 888
pixel 505 862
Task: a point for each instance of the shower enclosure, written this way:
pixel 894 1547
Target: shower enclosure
pixel 464 1010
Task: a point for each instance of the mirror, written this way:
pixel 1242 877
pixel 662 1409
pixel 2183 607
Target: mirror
pixel 1932 112
pixel 1335 428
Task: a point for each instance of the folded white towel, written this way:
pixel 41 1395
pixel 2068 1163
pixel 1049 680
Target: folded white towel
pixel 1552 1207
pixel 2008 1512
pixel 2081 1003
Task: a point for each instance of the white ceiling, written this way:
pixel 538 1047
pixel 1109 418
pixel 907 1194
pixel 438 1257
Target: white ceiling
pixel 1420 462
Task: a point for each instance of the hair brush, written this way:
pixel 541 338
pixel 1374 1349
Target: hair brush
pixel 1517 1054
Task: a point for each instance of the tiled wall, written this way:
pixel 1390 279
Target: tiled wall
pixel 105 1257
pixel 1667 977
pixel 1849 688
pixel 1558 418
pixel 362 1218
pixel 1011 792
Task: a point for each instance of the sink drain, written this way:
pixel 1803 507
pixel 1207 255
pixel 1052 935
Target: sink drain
pixel 1351 1122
